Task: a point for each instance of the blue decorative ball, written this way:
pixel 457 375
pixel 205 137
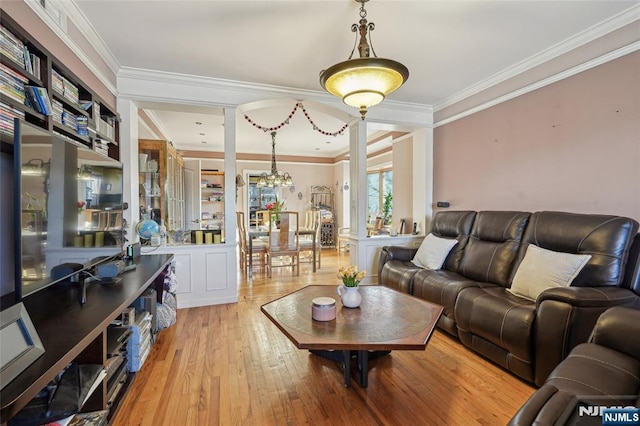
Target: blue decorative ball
pixel 147 228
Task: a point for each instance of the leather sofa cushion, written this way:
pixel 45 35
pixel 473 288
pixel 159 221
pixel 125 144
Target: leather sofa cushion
pixel 453 224
pixel 398 275
pixel 606 238
pixel 592 371
pixel 493 246
pixel 441 287
pixel 498 317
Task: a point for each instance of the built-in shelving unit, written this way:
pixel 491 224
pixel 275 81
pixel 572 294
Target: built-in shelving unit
pixel 38 89
pixel 82 334
pixel 211 199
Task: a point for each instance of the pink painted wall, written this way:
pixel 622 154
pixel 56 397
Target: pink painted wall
pixel 571 146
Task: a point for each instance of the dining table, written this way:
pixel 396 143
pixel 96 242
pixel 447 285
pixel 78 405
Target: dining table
pixel 263 231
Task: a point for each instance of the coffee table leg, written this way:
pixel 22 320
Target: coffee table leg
pixel 344 357
pixel 363 368
pixel 346 366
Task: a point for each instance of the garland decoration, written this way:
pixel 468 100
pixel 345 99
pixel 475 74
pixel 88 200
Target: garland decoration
pixel 285 122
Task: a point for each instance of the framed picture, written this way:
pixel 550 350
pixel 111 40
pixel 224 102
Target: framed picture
pixel 21 345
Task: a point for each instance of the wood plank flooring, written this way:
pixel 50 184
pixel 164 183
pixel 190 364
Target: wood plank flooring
pixel 229 365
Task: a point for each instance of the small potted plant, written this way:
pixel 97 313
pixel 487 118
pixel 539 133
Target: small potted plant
pixel 348 290
pixel 387 208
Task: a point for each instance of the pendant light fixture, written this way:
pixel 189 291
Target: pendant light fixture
pixel 365 81
pixel 274 178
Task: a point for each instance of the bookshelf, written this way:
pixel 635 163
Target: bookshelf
pixel 83 334
pixel 211 199
pixel 40 90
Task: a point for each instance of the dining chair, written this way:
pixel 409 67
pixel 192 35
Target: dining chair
pixel 343 238
pixel 306 241
pixel 283 240
pixel 309 218
pixel 262 217
pixel 258 250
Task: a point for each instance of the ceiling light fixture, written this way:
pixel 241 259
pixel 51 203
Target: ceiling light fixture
pixel 274 178
pixel 365 81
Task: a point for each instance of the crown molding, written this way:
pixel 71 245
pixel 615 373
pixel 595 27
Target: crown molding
pixel 69 42
pixel 257 90
pixel 614 23
pixel 142 123
pixel 545 82
pixel 158 123
pixel 80 20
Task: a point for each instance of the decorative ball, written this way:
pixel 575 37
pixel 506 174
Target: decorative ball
pixel 147 228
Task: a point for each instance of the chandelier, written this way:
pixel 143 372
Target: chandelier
pixel 365 81
pixel 274 178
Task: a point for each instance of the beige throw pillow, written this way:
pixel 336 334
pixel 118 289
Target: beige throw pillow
pixel 542 269
pixel 433 251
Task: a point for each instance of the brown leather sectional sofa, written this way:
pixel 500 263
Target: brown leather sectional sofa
pixel 602 373
pixel 529 338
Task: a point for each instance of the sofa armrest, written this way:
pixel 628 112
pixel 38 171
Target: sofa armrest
pixel 614 328
pixel 547 406
pixel 589 297
pixel 565 317
pixel 387 253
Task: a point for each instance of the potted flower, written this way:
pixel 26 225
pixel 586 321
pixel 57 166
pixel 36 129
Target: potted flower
pixel 276 207
pixel 348 290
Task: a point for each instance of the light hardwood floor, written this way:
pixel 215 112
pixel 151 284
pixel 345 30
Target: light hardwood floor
pixel 229 365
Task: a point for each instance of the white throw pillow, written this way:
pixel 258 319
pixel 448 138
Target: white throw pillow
pixel 542 269
pixel 433 251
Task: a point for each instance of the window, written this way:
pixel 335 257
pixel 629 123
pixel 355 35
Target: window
pixel 379 183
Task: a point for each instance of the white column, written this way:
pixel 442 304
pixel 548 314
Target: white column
pixel 422 179
pixel 230 175
pixel 129 157
pixel 358 189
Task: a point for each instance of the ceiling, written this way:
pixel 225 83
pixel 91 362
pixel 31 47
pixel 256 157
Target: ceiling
pixel 448 47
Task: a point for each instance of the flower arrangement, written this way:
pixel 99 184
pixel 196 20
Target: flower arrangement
pixel 276 207
pixel 351 276
pixel 80 205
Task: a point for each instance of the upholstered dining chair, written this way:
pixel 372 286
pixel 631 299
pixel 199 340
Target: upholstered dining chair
pixel 306 241
pixel 283 240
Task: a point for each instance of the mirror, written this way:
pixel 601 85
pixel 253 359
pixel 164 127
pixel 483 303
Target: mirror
pixel 70 198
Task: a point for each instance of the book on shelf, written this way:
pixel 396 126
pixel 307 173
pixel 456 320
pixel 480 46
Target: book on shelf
pixel 12 47
pixel 39 99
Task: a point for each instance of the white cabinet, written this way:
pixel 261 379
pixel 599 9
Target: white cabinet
pixel 206 274
pixel 365 252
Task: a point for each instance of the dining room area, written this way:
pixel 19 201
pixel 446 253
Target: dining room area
pixel 278 238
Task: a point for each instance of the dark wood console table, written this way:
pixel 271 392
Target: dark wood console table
pixel 70 331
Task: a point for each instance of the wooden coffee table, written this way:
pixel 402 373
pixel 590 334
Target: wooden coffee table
pixel 386 320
